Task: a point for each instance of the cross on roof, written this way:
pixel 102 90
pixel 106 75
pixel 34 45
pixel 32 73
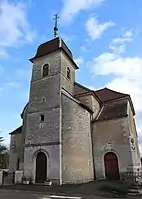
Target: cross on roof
pixel 56 25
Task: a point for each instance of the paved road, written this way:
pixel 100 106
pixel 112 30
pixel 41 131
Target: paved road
pixel 16 194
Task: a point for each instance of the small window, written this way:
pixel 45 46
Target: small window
pixel 68 73
pixel 45 70
pixel 43 99
pixel 42 118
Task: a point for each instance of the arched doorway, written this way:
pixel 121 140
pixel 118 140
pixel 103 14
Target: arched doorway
pixel 111 166
pixel 41 167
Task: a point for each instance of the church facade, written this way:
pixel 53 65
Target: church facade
pixel 70 133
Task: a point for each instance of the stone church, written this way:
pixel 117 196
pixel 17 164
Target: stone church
pixel 70 133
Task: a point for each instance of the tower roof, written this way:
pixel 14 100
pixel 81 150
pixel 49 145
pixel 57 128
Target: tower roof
pixel 51 46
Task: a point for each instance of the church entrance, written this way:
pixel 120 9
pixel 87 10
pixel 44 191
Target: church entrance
pixel 41 167
pixel 111 166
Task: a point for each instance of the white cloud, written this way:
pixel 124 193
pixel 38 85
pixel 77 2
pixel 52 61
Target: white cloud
pixel 73 7
pixel 118 45
pixel 127 72
pixel 14 26
pixel 126 67
pixel 3 53
pixel 95 29
pixel 79 61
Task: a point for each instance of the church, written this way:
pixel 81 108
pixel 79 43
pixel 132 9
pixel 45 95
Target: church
pixel 70 133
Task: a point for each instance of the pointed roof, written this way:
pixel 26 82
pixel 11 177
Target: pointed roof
pixel 51 46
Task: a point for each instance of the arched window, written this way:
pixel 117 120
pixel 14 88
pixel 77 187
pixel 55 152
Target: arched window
pixel 68 73
pixel 45 70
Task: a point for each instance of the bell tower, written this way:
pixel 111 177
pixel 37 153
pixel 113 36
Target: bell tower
pixel 53 70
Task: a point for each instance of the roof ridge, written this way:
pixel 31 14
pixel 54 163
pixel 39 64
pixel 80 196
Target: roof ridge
pixel 112 91
pixel 83 86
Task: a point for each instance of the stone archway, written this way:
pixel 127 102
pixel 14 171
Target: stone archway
pixel 41 168
pixel 111 166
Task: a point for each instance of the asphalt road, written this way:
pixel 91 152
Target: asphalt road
pixel 17 194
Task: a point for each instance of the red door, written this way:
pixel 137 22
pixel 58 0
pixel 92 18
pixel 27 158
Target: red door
pixel 111 166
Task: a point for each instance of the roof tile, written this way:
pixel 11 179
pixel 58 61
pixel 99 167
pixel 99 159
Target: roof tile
pixel 106 94
pixel 112 111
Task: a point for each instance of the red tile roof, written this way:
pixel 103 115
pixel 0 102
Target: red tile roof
pixel 113 111
pixel 106 94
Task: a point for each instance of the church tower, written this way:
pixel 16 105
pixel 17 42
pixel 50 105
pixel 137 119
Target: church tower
pixel 53 70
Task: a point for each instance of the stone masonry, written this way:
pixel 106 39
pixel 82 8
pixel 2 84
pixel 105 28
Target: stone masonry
pixel 69 129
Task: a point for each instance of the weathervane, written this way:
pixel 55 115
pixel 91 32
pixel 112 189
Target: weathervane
pixel 56 25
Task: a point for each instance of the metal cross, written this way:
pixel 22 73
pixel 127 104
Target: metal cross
pixel 56 25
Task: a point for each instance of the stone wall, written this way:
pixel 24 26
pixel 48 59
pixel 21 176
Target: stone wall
pixel 53 161
pixel 45 99
pixel 90 101
pixel 18 177
pixel 134 140
pixel 54 61
pixel 67 84
pixel 47 131
pixel 77 163
pixel 16 145
pixel 25 117
pixel 111 136
pixel 96 107
pixel 47 88
pixel 1 177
